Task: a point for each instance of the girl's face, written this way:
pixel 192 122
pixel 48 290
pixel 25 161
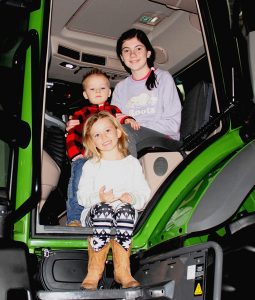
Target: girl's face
pixel 97 89
pixel 105 135
pixel 134 55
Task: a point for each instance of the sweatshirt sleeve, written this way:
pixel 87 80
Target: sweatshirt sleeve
pixel 86 195
pixel 141 192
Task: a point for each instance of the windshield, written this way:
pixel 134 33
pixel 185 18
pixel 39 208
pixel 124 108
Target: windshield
pixel 12 32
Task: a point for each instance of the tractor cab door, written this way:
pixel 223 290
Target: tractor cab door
pixel 20 155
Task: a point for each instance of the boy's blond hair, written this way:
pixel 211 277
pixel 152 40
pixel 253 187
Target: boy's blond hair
pixel 91 150
pixel 94 71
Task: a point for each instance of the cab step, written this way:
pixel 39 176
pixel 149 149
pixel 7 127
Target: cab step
pixel 163 292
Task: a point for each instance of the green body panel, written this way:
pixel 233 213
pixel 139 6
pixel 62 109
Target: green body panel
pixel 249 203
pixel 24 176
pixel 171 215
pixel 56 244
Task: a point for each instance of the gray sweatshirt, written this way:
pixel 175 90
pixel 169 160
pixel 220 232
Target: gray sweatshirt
pixel 158 109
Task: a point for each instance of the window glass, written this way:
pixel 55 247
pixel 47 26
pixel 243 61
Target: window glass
pixel 13 26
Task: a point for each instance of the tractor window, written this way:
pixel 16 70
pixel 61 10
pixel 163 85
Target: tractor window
pixel 4 158
pixel 12 30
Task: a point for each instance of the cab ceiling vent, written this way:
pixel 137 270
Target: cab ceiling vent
pixel 93 59
pixel 68 52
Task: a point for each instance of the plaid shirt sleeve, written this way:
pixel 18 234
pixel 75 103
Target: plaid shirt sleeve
pixel 74 144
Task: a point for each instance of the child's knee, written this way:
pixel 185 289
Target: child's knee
pixel 103 208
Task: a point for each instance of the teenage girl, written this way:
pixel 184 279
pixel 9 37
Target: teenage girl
pixel 148 94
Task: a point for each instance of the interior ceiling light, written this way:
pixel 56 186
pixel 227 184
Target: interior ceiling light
pixel 151 19
pixel 68 65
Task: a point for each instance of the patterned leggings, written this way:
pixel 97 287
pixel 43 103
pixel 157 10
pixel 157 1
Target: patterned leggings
pixel 103 216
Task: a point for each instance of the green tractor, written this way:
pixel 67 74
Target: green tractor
pixel 195 238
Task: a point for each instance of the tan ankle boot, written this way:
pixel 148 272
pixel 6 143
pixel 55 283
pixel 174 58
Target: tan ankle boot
pixel 96 267
pixel 121 263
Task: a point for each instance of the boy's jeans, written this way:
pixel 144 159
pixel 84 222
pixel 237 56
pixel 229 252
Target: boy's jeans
pixel 73 208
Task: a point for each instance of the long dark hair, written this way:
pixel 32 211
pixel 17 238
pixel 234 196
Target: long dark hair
pixel 151 81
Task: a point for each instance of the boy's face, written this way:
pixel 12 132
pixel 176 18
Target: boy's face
pixel 97 89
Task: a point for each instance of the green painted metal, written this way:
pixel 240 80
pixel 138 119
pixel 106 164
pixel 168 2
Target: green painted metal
pixel 166 221
pixel 24 177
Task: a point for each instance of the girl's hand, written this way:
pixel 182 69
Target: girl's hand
pixel 135 125
pixel 71 123
pixel 126 198
pixel 106 196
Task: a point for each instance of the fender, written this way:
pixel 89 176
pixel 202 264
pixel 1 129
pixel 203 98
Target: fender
pixel 226 193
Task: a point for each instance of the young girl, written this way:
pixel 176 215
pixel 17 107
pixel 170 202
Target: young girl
pixel 112 189
pixel 96 89
pixel 148 94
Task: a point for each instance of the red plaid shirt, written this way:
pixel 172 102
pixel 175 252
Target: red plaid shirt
pixel 74 145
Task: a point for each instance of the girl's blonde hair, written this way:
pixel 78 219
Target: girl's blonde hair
pixel 91 149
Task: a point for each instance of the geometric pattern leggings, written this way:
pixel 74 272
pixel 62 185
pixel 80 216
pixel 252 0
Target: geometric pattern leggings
pixel 103 217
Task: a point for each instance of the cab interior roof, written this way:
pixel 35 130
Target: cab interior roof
pixel 91 28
